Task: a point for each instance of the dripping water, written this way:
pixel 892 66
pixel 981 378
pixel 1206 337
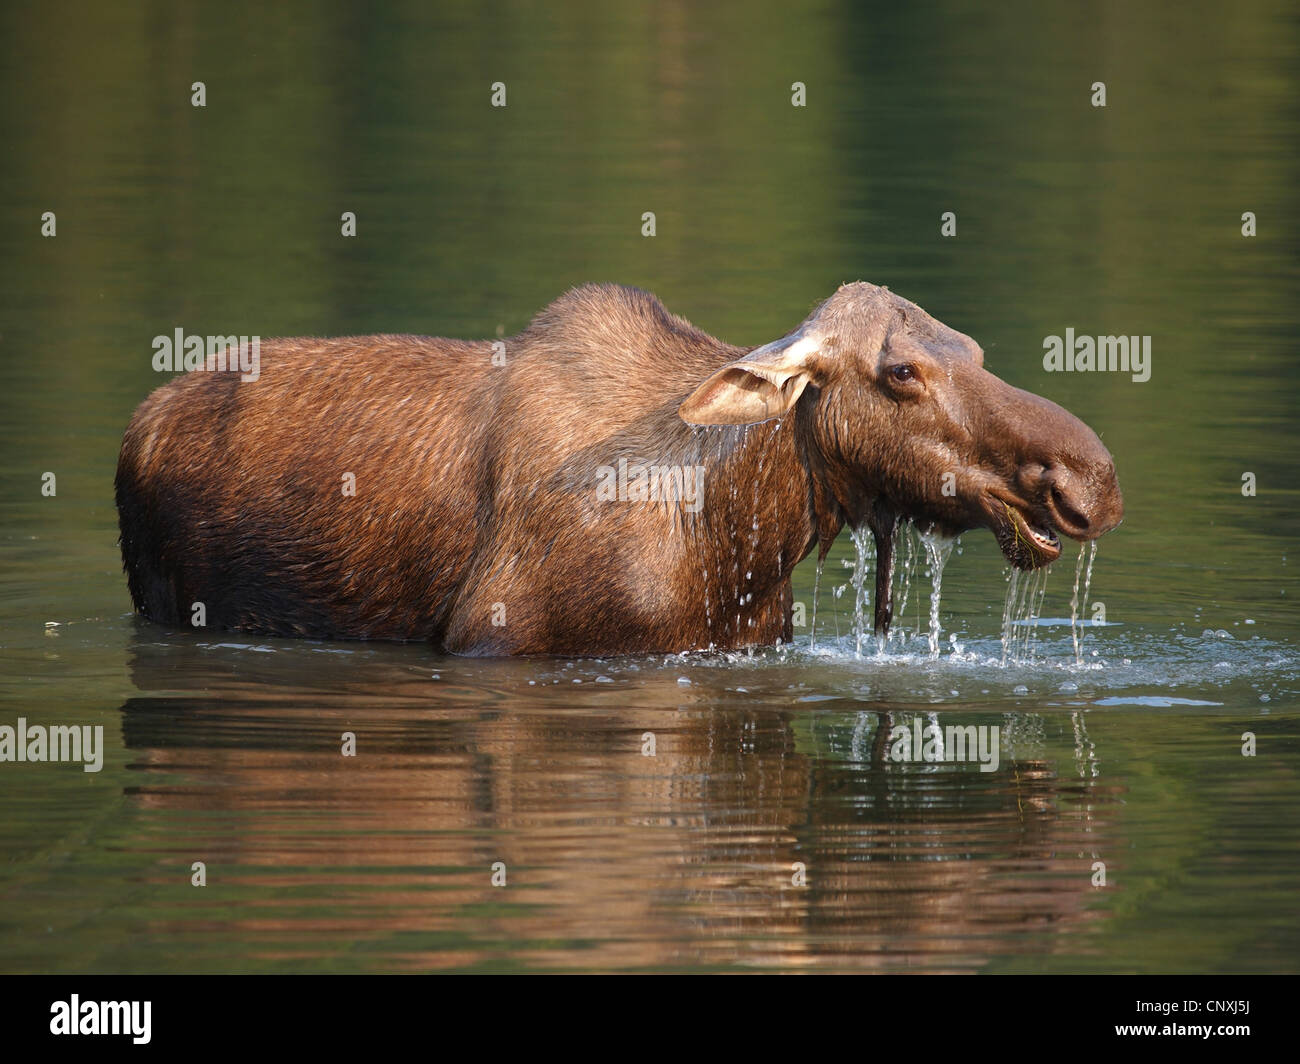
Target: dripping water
pixel 1026 593
pixel 1013 585
pixel 937 549
pixel 1036 611
pixel 907 570
pixel 1087 584
pixel 1074 607
pixel 1016 613
pixel 817 588
pixel 1024 603
pixel 1079 608
pixel 866 553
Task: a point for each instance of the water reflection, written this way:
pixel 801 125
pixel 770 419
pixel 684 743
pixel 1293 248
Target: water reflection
pixel 613 859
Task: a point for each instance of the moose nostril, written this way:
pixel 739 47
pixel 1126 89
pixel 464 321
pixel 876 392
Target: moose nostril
pixel 1067 511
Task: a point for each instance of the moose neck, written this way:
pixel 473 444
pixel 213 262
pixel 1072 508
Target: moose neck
pixel 770 496
pixel 840 497
pixel 763 509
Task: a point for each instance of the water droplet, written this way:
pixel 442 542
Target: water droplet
pixel 817 587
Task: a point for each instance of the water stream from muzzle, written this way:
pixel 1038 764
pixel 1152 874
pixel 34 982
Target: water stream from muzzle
pixel 1008 612
pixel 1021 612
pixel 1079 609
pixel 1019 585
pixel 1026 593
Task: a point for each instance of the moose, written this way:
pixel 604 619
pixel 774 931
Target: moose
pixel 491 497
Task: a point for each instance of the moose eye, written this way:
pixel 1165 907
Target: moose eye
pixel 904 372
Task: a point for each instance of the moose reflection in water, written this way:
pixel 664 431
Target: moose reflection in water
pixel 756 834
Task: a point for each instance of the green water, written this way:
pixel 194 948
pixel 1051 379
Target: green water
pixel 768 768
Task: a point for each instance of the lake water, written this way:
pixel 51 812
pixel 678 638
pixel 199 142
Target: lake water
pixel 772 829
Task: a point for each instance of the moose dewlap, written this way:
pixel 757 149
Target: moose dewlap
pixel 614 481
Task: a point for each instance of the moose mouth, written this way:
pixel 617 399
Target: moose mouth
pixel 1027 533
pixel 1028 538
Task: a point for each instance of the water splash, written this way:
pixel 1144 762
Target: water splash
pixel 837 593
pixel 1022 614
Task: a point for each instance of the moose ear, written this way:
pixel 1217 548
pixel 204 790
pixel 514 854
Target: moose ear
pixel 766 383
